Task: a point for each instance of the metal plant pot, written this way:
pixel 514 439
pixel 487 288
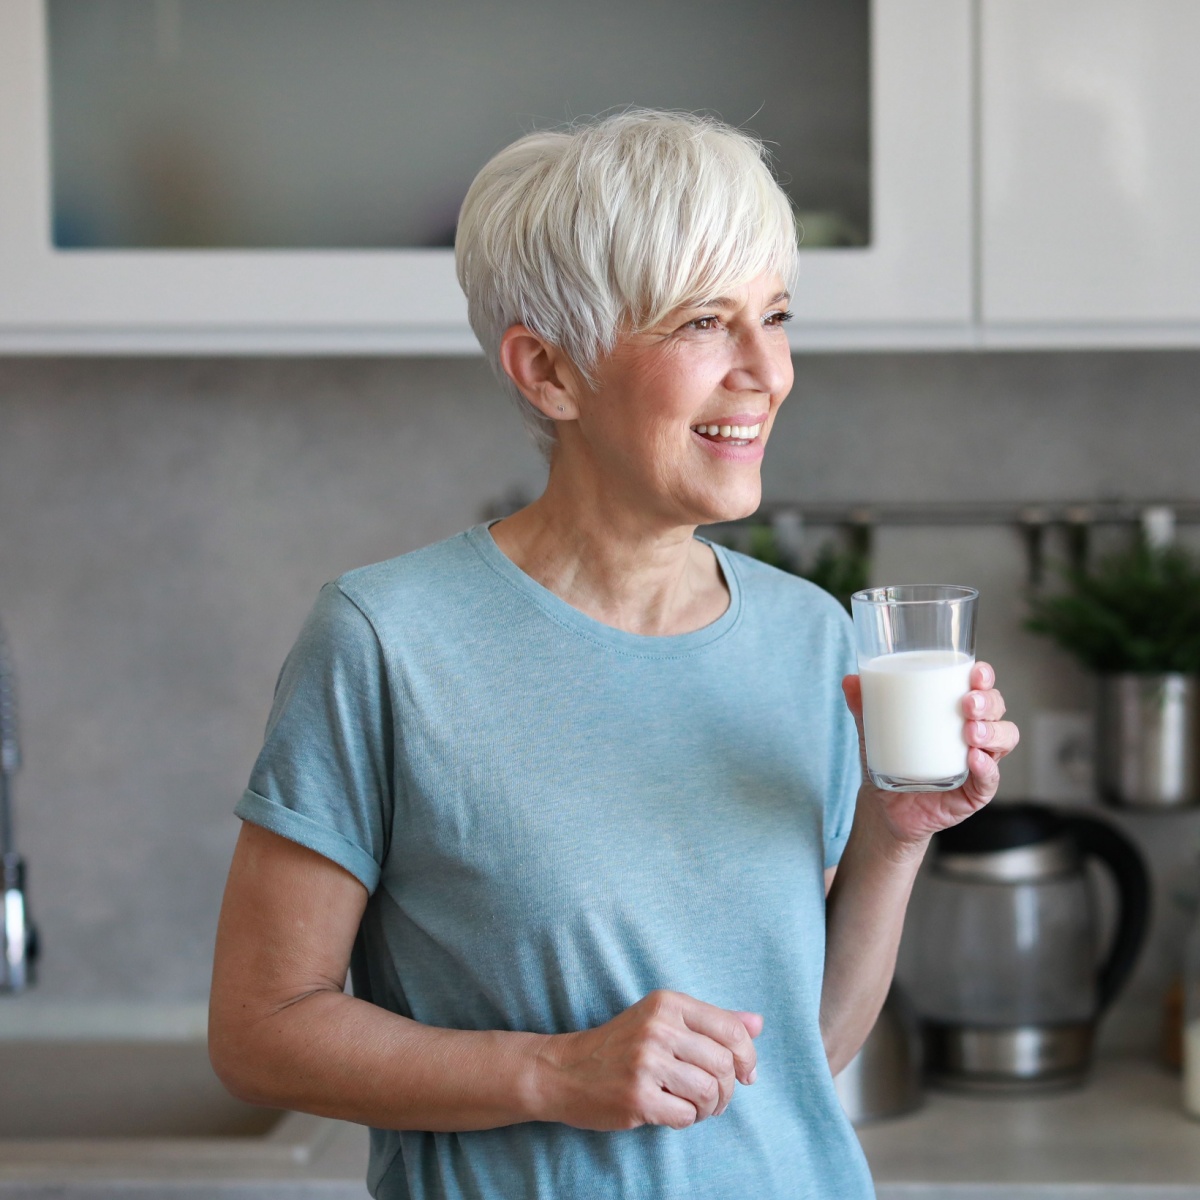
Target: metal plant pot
pixel 1148 741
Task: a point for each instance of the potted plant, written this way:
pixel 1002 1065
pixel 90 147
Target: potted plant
pixel 840 571
pixel 1134 620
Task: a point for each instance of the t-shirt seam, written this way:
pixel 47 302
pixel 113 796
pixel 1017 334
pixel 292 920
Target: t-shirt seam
pixel 387 679
pixel 734 623
pixel 395 1154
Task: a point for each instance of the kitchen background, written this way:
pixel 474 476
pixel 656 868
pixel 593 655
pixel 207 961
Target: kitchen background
pixel 166 522
pixel 165 525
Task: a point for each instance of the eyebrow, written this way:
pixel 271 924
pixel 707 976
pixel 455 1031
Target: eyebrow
pixel 728 301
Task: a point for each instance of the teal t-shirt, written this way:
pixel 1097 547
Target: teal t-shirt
pixel 554 817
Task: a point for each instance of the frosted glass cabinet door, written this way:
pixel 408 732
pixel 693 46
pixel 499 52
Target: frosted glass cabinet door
pixel 1091 162
pixel 73 279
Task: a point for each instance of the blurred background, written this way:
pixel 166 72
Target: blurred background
pixel 233 365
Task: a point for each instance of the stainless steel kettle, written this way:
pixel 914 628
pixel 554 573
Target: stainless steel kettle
pixel 1007 976
pixel 884 1078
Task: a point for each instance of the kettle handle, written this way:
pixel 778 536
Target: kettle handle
pixel 1098 839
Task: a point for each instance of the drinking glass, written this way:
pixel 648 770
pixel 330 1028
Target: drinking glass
pixel 916 647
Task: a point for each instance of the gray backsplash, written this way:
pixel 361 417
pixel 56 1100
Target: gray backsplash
pixel 165 525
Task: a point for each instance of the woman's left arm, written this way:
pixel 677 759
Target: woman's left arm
pixel 870 890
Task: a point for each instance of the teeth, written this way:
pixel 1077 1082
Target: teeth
pixel 739 433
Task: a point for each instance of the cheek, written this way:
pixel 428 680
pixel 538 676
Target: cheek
pixel 686 373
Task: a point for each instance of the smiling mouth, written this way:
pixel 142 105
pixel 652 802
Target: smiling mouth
pixel 731 435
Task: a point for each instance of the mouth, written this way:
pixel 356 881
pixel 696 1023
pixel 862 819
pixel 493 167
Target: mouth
pixel 729 434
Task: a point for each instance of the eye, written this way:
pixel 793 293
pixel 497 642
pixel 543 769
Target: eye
pixel 778 318
pixel 703 323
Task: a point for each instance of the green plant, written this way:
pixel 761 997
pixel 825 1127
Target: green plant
pixel 841 572
pixel 1137 612
pixel 761 543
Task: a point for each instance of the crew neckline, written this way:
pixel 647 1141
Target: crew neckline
pixel 640 645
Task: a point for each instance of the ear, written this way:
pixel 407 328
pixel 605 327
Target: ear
pixel 544 374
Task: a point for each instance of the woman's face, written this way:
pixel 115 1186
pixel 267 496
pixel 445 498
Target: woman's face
pixel 681 413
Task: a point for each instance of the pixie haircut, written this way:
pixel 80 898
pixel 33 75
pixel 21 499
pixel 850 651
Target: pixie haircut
pixel 603 228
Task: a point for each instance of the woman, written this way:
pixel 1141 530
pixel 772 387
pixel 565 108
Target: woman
pixel 567 793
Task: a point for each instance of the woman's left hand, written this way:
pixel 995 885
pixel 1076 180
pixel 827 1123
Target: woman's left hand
pixel 914 817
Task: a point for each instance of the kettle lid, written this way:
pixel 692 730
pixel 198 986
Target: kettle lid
pixel 1007 842
pixel 1001 825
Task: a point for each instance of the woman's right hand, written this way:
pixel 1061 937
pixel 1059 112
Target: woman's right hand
pixel 669 1060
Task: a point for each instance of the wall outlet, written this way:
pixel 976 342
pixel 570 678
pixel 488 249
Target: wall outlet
pixel 1062 746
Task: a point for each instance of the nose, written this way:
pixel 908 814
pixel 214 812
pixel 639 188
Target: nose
pixel 762 362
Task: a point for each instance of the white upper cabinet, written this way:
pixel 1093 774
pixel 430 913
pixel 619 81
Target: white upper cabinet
pixel 1090 162
pixel 913 284
pixel 284 175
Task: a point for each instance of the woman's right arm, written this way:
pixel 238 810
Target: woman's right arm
pixel 283 1033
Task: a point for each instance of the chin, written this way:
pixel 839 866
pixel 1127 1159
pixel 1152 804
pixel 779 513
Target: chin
pixel 732 506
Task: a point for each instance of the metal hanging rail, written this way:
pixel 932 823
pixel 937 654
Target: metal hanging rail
pixel 1057 512
pixel 1032 521
pixel 1049 512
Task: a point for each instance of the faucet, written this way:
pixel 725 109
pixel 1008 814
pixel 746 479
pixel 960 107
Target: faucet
pixel 18 938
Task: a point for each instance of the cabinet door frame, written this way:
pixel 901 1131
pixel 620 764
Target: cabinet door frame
pixel 912 285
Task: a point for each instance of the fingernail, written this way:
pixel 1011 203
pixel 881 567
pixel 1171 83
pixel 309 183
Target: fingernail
pixel 753 1074
pixel 981 731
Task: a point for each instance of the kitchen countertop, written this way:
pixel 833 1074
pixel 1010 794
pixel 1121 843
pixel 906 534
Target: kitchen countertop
pixel 1121 1137
pixel 334 1170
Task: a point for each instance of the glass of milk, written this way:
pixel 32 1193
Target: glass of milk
pixel 916 647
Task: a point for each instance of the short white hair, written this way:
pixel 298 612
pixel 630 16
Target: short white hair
pixel 602 228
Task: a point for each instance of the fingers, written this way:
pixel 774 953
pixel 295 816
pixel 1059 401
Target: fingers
pixel 984 706
pixel 998 738
pixel 671 1111
pixel 708 1090
pixel 752 1021
pixel 687 1057
pixel 984 779
pixel 852 690
pixel 715 1060
pixel 668 1059
pixel 983 676
pixel 726 1029
pixel 988 737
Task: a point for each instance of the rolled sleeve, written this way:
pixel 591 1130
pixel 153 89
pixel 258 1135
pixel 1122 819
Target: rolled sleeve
pixel 323 776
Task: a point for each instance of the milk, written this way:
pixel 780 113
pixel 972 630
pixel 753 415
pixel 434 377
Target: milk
pixel 912 711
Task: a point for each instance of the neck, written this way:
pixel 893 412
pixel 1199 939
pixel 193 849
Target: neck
pixel 622 567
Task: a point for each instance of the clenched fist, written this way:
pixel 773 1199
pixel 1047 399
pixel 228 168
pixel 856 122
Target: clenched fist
pixel 669 1060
